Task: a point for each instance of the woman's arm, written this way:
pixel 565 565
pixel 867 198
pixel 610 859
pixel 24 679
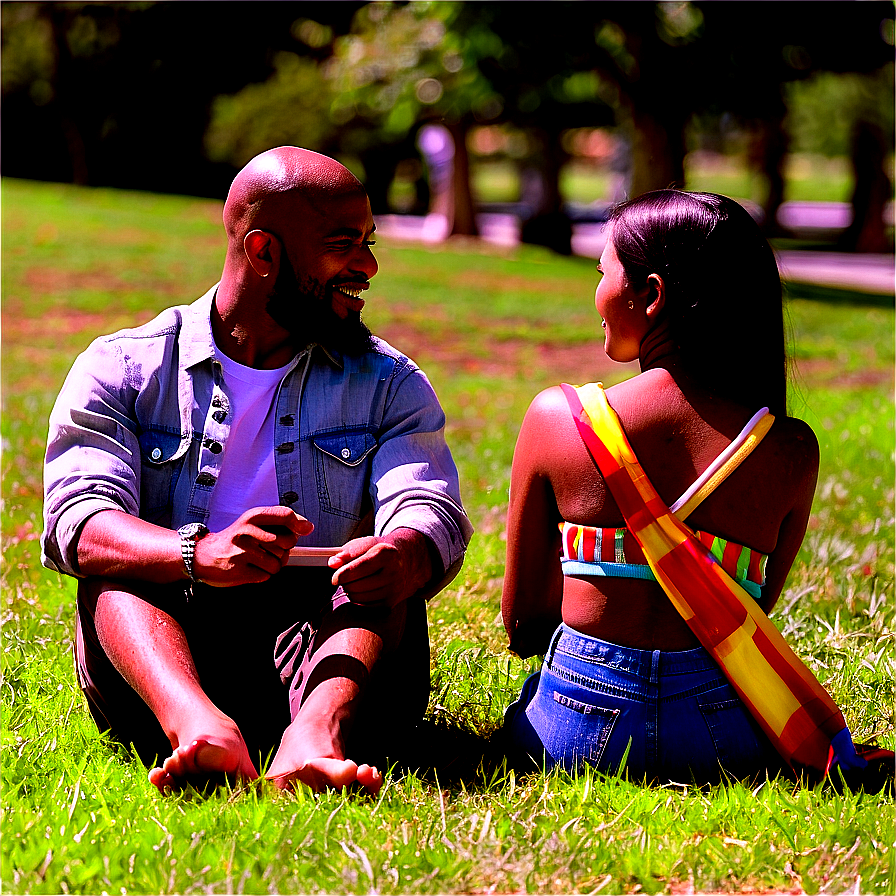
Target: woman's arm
pixel 533 582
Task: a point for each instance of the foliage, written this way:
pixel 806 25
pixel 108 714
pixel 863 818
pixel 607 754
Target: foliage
pixel 291 108
pixel 405 63
pixel 823 110
pixel 491 327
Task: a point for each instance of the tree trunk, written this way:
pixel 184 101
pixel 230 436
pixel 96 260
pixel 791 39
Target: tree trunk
pixel 66 103
pixel 768 152
pixel 657 149
pixel 464 218
pixel 868 230
pixel 547 224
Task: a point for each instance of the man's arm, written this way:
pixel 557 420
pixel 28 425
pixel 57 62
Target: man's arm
pixel 421 530
pixel 386 570
pixel 114 544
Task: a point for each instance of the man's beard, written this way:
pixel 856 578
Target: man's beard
pixel 305 311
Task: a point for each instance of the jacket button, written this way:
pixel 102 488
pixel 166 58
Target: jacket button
pixel 289 498
pixel 215 447
pixel 156 454
pixel 205 479
pixel 219 416
pixel 346 454
pixel 288 420
pixel 284 448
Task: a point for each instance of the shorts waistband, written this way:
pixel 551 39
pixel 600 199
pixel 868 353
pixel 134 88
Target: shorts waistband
pixel 647 664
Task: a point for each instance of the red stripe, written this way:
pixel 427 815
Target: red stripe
pixel 730 556
pixel 633 552
pixel 808 734
pixel 589 537
pixel 570 542
pixel 607 541
pixel 714 619
pixel 754 570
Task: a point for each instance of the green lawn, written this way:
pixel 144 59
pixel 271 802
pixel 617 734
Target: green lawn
pixel 491 327
pixel 807 178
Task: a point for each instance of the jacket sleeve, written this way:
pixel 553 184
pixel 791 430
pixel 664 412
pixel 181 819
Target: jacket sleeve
pixel 93 456
pixel 414 479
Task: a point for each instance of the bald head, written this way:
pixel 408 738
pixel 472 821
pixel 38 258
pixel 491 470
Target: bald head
pixel 275 184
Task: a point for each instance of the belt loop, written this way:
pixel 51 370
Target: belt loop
pixel 549 656
pixel 655 667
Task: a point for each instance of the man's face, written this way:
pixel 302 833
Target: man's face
pixel 325 265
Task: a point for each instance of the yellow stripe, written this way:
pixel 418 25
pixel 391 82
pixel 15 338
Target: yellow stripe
pixel 757 680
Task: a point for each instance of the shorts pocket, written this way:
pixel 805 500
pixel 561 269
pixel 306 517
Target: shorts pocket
pixel 738 741
pixel 573 731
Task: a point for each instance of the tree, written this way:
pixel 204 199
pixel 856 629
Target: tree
pixel 403 65
pixel 753 65
pixel 120 94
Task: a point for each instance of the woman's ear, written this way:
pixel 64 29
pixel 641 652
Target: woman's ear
pixel 262 251
pixel 656 296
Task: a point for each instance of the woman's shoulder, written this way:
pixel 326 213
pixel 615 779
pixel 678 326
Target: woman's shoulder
pixel 550 403
pixel 797 438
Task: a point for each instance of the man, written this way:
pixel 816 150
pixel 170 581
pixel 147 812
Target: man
pixel 187 457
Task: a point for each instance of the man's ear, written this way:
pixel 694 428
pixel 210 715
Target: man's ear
pixel 262 251
pixel 656 296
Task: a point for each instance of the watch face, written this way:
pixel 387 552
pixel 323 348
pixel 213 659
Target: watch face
pixel 192 530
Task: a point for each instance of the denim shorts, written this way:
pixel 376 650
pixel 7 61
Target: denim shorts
pixel 649 714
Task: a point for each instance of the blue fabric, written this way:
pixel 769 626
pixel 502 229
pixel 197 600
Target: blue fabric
pixel 634 571
pixel 143 421
pixel 673 713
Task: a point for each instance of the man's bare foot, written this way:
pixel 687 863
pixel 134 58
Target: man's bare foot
pixel 203 757
pixel 331 774
pixel 314 758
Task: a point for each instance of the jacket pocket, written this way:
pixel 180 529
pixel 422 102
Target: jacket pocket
pixel 161 459
pixel 342 460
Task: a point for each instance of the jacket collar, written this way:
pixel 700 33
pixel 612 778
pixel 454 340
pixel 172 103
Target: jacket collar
pixel 198 343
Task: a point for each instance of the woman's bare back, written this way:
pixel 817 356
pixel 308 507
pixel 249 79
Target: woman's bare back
pixel 676 430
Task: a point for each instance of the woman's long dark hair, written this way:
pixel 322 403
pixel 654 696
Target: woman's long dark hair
pixel 723 290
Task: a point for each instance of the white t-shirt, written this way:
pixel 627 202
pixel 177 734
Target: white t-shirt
pixel 247 477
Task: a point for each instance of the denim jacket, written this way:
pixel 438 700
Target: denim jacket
pixel 142 422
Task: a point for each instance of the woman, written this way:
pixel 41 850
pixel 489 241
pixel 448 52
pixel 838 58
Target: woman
pixel 690 289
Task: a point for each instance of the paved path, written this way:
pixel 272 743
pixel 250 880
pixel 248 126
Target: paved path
pixel 862 272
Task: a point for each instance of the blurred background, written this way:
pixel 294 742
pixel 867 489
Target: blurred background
pixel 522 119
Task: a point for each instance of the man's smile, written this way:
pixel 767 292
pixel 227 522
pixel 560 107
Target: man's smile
pixel 347 297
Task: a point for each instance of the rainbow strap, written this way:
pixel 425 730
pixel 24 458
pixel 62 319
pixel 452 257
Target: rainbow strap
pixel 787 701
pixel 588 550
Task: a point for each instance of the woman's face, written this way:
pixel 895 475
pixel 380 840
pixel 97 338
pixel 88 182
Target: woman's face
pixel 624 326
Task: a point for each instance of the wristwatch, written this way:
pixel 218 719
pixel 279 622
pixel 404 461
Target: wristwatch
pixel 189 535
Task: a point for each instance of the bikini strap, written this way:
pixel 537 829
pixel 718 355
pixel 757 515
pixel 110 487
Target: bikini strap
pixel 723 466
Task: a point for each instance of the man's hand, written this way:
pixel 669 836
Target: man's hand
pixel 385 570
pixel 252 549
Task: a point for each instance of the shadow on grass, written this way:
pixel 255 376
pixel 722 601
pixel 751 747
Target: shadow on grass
pixel 830 295
pixel 439 751
pixel 449 755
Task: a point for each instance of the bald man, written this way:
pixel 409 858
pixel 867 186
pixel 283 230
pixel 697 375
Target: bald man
pixel 191 463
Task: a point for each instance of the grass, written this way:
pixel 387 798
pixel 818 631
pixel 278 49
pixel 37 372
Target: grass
pixel 807 178
pixel 491 327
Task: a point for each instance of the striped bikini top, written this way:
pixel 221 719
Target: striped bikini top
pixel 591 551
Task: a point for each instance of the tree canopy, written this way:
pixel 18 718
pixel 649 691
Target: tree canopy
pixel 176 97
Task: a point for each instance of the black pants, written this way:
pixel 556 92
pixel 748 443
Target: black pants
pixel 252 646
